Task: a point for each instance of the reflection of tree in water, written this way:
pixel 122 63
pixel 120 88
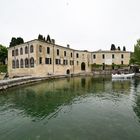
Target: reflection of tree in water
pixel 121 85
pixel 136 95
pixel 83 82
pixel 46 99
pixel 136 107
pixel 39 106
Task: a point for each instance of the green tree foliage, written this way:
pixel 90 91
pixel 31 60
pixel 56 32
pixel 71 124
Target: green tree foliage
pixel 16 41
pixel 124 49
pixel 113 48
pixel 135 58
pixel 40 37
pixel 119 48
pixel 48 39
pixel 19 40
pixel 3 54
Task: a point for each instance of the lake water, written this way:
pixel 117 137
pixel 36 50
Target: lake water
pixel 83 108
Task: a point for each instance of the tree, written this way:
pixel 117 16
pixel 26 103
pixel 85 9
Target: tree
pixel 13 42
pixel 119 48
pixel 113 48
pixel 48 39
pixel 53 41
pixel 40 37
pixel 124 49
pixel 16 41
pixel 19 41
pixel 3 54
pixel 135 58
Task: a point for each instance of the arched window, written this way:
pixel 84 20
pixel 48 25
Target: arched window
pixel 32 62
pixel 40 48
pixel 21 51
pixel 16 52
pixel 31 49
pixel 26 50
pixel 17 63
pixel 13 64
pixel 26 63
pixel 21 63
pixel 13 52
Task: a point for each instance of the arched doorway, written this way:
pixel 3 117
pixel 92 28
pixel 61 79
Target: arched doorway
pixel 68 71
pixel 83 66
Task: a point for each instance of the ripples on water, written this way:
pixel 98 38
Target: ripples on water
pixel 83 108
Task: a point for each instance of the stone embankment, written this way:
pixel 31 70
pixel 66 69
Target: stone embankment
pixel 4 84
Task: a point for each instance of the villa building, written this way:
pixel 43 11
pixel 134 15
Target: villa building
pixel 40 58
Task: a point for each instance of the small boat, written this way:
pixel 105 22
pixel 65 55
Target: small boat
pixel 122 76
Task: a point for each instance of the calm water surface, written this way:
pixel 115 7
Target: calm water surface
pixel 84 108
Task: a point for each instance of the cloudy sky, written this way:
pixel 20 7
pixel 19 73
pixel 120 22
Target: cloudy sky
pixel 84 24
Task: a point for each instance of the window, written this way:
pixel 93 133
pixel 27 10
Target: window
pixel 94 56
pixel 13 52
pixel 71 54
pixel 64 53
pixel 71 62
pixel 103 56
pixel 21 63
pixel 65 62
pixel 26 63
pixel 57 61
pixel 48 61
pixel 77 62
pixel 26 50
pixel 113 56
pixel 122 56
pixel 40 60
pixel 13 64
pixel 77 55
pixel 57 51
pixel 32 62
pixel 48 50
pixel 16 52
pixel 40 48
pixel 21 51
pixel 31 49
pixel 17 63
pixel 122 62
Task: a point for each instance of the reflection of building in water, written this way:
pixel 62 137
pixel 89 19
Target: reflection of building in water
pixel 123 85
pixel 40 58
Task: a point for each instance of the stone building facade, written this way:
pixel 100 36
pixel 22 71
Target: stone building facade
pixel 111 57
pixel 39 58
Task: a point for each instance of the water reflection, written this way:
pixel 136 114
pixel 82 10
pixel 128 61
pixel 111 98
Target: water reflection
pixel 41 100
pixel 72 105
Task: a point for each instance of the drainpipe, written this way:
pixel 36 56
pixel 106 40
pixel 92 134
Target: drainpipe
pixel 53 58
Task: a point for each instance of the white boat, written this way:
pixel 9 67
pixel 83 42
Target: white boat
pixel 122 76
